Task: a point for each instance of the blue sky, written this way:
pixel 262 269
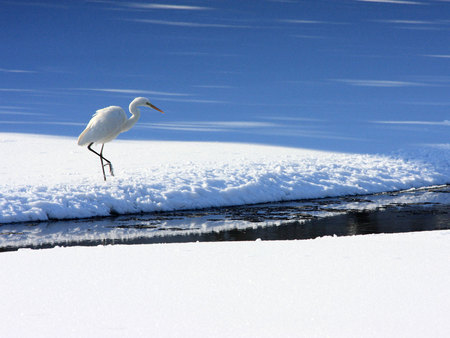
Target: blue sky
pixel 345 75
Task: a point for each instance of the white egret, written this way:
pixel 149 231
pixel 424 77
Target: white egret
pixel 109 122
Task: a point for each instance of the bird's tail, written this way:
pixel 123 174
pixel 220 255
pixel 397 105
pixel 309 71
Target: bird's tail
pixel 82 139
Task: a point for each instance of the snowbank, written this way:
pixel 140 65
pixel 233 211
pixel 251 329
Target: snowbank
pixel 192 224
pixel 361 286
pixel 45 177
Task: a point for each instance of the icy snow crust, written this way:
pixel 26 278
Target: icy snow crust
pixel 46 177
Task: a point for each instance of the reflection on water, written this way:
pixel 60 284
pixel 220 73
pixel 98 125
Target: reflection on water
pixel 414 210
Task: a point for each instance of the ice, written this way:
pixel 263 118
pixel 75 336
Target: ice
pixel 48 177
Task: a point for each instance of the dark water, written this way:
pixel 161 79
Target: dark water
pixel 405 211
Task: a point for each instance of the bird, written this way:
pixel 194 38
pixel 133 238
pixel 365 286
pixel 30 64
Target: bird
pixel 107 123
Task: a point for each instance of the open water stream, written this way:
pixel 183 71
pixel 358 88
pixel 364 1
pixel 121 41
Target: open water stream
pixel 401 211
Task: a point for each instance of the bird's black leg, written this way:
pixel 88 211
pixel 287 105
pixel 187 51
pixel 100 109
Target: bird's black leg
pixel 101 160
pixel 109 162
pixel 103 166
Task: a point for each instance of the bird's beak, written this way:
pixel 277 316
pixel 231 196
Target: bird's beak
pixel 156 108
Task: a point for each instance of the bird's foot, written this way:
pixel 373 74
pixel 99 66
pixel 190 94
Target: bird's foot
pixel 111 171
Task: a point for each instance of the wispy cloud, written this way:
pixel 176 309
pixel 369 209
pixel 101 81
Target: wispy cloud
pixel 302 36
pixel 36 4
pixel 243 124
pixel 416 24
pixel 9 112
pixel 140 5
pixel 291 119
pixel 162 96
pixel 20 90
pixel 316 134
pixel 409 22
pixel 131 91
pixel 398 2
pixel 149 6
pixel 440 56
pixel 12 107
pixel 434 80
pixel 77 124
pixel 308 22
pixel 5 70
pixel 156 95
pixel 379 83
pixel 187 24
pixel 248 127
pixel 210 126
pixel 213 86
pixel 171 99
pixel 425 123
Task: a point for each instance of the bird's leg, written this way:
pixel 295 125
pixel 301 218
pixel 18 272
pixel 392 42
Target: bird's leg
pixel 103 167
pixel 109 162
pixel 101 158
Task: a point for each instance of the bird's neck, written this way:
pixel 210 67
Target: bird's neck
pixel 135 115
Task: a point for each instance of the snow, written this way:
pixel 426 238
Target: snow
pixel 161 226
pixel 48 177
pixel 360 286
pixel 375 285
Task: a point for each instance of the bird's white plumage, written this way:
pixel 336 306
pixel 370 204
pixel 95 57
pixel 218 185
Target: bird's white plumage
pixel 104 126
pixel 108 123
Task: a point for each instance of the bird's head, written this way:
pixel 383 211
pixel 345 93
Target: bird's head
pixel 143 101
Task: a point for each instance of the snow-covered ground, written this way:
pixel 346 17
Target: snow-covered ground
pixel 360 286
pixel 47 177
pixel 377 285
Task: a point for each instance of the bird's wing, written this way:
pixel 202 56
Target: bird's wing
pixel 104 126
